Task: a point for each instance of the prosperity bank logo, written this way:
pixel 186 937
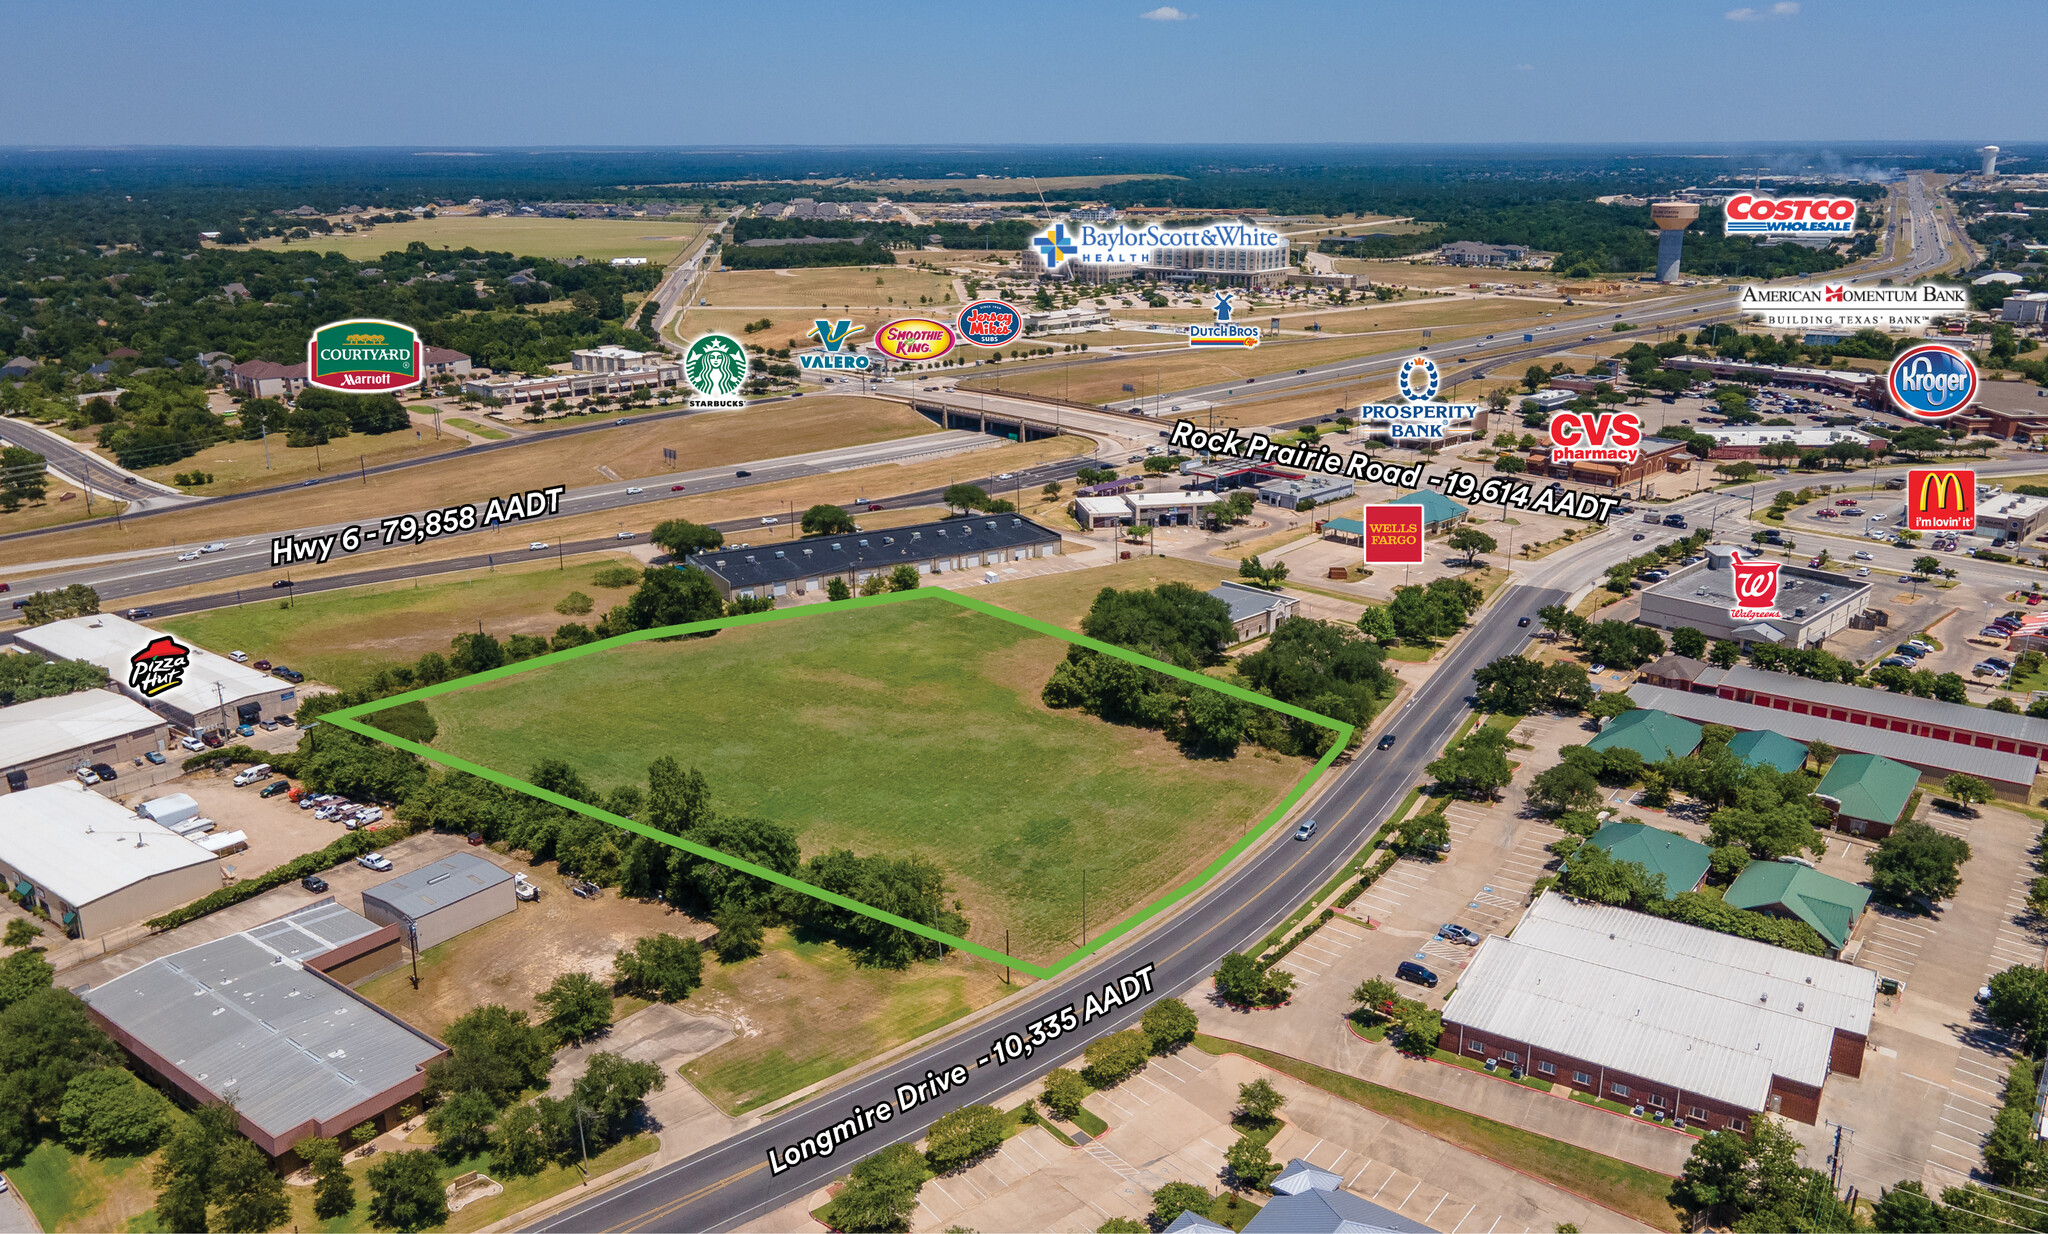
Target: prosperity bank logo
pixel 1941 499
pixel 158 667
pixel 1225 332
pixel 1756 590
pixel 1417 416
pixel 837 353
pixel 1748 215
pixel 1932 381
pixel 716 367
pixel 1419 379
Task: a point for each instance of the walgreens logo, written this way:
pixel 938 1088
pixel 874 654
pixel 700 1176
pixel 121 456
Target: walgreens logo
pixel 1748 215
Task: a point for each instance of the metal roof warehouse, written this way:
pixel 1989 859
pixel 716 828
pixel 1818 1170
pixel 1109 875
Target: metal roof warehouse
pixel 92 863
pixel 804 565
pixel 214 692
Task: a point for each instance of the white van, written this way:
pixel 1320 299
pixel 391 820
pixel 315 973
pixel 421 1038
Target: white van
pixel 260 771
pixel 239 657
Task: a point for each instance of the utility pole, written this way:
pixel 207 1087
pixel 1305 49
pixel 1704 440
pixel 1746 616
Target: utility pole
pixel 1835 1157
pixel 363 468
pixel 1084 908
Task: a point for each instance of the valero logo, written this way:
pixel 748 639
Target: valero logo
pixel 1596 437
pixel 1756 589
pixel 364 356
pixel 1932 381
pixel 1941 499
pixel 1393 535
pixel 914 339
pixel 838 353
pixel 990 323
pixel 158 667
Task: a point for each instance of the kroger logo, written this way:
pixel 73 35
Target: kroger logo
pixel 990 323
pixel 1419 378
pixel 1747 215
pixel 837 353
pixel 1932 381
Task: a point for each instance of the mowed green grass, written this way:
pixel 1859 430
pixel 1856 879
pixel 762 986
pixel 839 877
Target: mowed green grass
pixel 661 241
pixel 902 729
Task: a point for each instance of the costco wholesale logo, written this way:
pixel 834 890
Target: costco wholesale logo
pixel 990 323
pixel 1941 499
pixel 1756 590
pixel 1747 215
pixel 159 666
pixel 1596 437
pixel 837 353
pixel 1932 381
pixel 914 339
pixel 364 356
pixel 1393 535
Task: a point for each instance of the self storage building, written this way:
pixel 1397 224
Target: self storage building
pixel 804 566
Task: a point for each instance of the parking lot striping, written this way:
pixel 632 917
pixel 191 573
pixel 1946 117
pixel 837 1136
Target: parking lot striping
pixel 1953 1123
pixel 928 1208
pixel 1434 1207
pixel 949 1196
pixel 1411 1195
pixel 1034 1149
pixel 1383 1186
pixel 1467 1217
pixel 1361 1169
pixel 1141 1076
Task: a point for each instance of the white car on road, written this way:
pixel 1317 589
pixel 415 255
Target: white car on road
pixel 191 556
pixel 631 491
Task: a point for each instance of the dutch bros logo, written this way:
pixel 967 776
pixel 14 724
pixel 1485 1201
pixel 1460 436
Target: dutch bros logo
pixel 914 338
pixel 1941 499
pixel 1225 333
pixel 1756 589
pixel 1419 379
pixel 1748 215
pixel 1932 381
pixel 1595 437
pixel 990 323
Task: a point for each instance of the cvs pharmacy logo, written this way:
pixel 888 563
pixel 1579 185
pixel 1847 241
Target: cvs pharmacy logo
pixel 1756 589
pixel 1595 437
pixel 1941 499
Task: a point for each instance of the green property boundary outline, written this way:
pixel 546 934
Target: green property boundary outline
pixel 347 718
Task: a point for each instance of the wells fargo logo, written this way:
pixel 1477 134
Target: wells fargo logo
pixel 1941 499
pixel 1393 535
pixel 364 356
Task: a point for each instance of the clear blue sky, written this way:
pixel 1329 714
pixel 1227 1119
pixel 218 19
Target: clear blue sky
pixel 759 72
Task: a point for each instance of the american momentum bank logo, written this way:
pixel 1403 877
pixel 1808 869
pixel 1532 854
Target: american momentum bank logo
pixel 1756 590
pixel 364 356
pixel 838 353
pixel 158 667
pixel 1418 416
pixel 1818 306
pixel 1941 499
pixel 1127 246
pixel 1224 332
pixel 1747 215
pixel 1932 381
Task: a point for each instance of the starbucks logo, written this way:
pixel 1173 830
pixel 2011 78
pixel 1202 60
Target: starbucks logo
pixel 716 364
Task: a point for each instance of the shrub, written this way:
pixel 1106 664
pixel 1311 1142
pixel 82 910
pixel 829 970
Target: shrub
pixel 575 604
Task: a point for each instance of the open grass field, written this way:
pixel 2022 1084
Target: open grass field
pixel 660 241
pixel 482 430
pixel 809 1012
pixel 239 465
pixel 835 286
pixel 938 746
pixel 1063 599
pixel 343 637
pixel 67 1191
pixel 61 504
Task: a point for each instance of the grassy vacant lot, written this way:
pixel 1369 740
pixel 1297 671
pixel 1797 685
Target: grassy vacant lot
pixel 482 430
pixel 238 465
pixel 905 729
pixel 1063 599
pixel 660 241
pixel 69 1192
pixel 343 637
pixel 810 1013
pixel 806 289
pixel 62 503
pixel 1627 1188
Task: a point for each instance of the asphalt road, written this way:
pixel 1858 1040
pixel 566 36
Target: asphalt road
pixel 732 1183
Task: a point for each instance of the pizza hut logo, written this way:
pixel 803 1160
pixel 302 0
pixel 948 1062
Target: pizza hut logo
pixel 1756 589
pixel 159 666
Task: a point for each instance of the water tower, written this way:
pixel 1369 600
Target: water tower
pixel 1671 218
pixel 1990 154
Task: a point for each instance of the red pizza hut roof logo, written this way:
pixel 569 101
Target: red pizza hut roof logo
pixel 1756 588
pixel 159 666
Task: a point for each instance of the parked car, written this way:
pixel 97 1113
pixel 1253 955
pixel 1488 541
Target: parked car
pixel 374 861
pixel 244 730
pixel 476 837
pixel 313 883
pixel 1307 829
pixel 87 775
pixel 268 726
pixel 288 674
pixel 213 740
pixel 261 666
pixel 155 756
pixel 1387 742
pixel 192 743
pixel 1863 573
pixel 105 771
pixel 1895 662
pixel 239 657
pixel 1452 932
pixel 272 790
pixel 1409 970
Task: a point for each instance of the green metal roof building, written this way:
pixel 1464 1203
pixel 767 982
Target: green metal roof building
pixel 1656 735
pixel 1764 748
pixel 1439 512
pixel 1683 862
pixel 1787 889
pixel 1867 792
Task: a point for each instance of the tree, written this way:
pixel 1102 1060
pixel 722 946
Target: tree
pixel 1064 1090
pixel 519 1144
pixel 1242 981
pixel 76 600
pixel 827 520
pixel 903 578
pixel 957 1139
pixel 1687 641
pixel 1113 1059
pixel 610 1094
pixel 661 965
pixel 406 1192
pixel 1122 1225
pixel 334 1188
pixel 2012 1154
pixel 20 930
pixel 23 974
pixel 1250 1162
pixel 1472 542
pixel 1169 1024
pixel 881 1193
pixel 665 597
pixel 1376 624
pixel 2019 1003
pixel 1916 862
pixel 1724 653
pixel 1476 767
pixel 1905 1209
pixel 681 537
pixel 494 1051
pixel 1728 861
pixel 107 1112
pixel 1376 998
pixel 1565 787
pixel 1259 1101
pixel 577 1006
pixel 1609 705
pixel 836 589
pixel 184 1174
pixel 1967 789
pixel 965 497
pixel 1260 575
pixel 462 1124
pixel 1173 1199
pixel 247 1188
pixel 739 934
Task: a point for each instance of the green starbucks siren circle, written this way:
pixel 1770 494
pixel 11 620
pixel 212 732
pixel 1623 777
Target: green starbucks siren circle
pixel 716 365
pixel 364 356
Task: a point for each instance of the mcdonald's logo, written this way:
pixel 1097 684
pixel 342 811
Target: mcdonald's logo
pixel 1941 499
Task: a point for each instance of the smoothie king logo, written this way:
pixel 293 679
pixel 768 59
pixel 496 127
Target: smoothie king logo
pixel 158 667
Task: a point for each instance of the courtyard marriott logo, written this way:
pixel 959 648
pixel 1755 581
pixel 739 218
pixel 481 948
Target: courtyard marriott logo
pixel 363 356
pixel 159 667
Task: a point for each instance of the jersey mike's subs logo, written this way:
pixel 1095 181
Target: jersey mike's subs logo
pixel 1750 215
pixel 1756 590
pixel 158 667
pixel 914 339
pixel 1941 499
pixel 364 356
pixel 990 323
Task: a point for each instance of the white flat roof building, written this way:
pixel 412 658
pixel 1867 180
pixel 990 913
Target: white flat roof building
pixel 92 863
pixel 1804 438
pixel 45 740
pixel 1101 511
pixel 1180 507
pixel 213 692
